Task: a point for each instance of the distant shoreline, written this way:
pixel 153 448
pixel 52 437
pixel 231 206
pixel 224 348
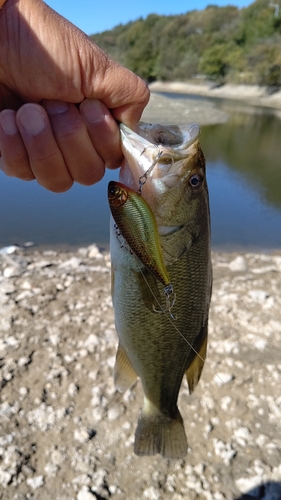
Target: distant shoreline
pixel 252 94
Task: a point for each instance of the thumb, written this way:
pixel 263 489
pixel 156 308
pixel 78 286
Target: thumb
pixel 122 91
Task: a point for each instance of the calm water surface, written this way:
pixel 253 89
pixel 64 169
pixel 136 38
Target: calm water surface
pixel 244 176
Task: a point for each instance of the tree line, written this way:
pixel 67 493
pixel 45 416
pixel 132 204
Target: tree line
pixel 222 44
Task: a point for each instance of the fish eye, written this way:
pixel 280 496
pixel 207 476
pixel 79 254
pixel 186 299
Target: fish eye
pixel 111 190
pixel 195 181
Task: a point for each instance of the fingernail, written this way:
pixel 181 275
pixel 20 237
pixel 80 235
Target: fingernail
pixel 31 118
pixel 55 107
pixel 8 122
pixel 92 110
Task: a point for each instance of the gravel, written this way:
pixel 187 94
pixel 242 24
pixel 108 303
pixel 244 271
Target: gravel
pixel 66 433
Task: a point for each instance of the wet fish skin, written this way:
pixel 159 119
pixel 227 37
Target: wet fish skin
pixel 151 345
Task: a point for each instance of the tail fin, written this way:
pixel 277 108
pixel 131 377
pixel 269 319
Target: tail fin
pixel 158 433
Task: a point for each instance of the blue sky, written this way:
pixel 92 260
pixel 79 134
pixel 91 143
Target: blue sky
pixel 94 16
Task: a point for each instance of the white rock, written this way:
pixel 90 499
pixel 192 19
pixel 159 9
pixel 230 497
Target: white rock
pixel 224 450
pixel 81 435
pixel 6 440
pixel 258 295
pixel 72 263
pixel 51 469
pixel 151 493
pixel 113 489
pixel 39 264
pixel 225 402
pixel 8 250
pixel 83 251
pixel 222 378
pixel 26 285
pixel 91 342
pixel 7 288
pixel 238 264
pixel 94 253
pixel 35 482
pixel 72 389
pixel 85 494
pixel 277 260
pixel 82 479
pixel 99 478
pixel 207 402
pixel 115 412
pixel 44 417
pixel 11 271
pixel 245 484
pixel 260 344
pixel 23 391
pixel 5 478
pixel 25 294
pixel 23 361
pixel 242 435
pixel 54 339
pixel 6 410
pixel 5 323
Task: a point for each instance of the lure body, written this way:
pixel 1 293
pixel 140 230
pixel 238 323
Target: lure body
pixel 138 226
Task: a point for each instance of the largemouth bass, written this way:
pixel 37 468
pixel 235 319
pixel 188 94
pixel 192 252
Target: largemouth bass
pixel 161 338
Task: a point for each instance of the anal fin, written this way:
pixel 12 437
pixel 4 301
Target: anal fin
pixel 193 372
pixel 124 373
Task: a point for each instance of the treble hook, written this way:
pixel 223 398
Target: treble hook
pixel 170 302
pixel 143 178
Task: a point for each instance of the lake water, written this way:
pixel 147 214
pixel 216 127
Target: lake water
pixel 244 176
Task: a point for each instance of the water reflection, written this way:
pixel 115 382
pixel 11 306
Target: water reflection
pixel 249 144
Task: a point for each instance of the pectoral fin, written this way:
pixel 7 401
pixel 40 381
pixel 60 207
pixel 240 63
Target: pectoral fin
pixel 193 373
pixel 124 374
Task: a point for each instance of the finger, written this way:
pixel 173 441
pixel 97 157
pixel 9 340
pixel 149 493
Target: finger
pixel 103 131
pixel 14 159
pixel 45 158
pixel 82 161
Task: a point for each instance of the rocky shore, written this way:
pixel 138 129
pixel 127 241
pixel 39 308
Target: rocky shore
pixel 65 433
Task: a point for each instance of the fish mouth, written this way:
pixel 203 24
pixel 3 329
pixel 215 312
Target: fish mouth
pixel 177 137
pixel 153 143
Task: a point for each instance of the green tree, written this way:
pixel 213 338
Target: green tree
pixel 214 62
pixel 265 62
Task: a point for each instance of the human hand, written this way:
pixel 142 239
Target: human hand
pixel 60 97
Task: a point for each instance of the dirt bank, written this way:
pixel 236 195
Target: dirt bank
pixel 67 434
pixel 160 109
pixel 252 94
